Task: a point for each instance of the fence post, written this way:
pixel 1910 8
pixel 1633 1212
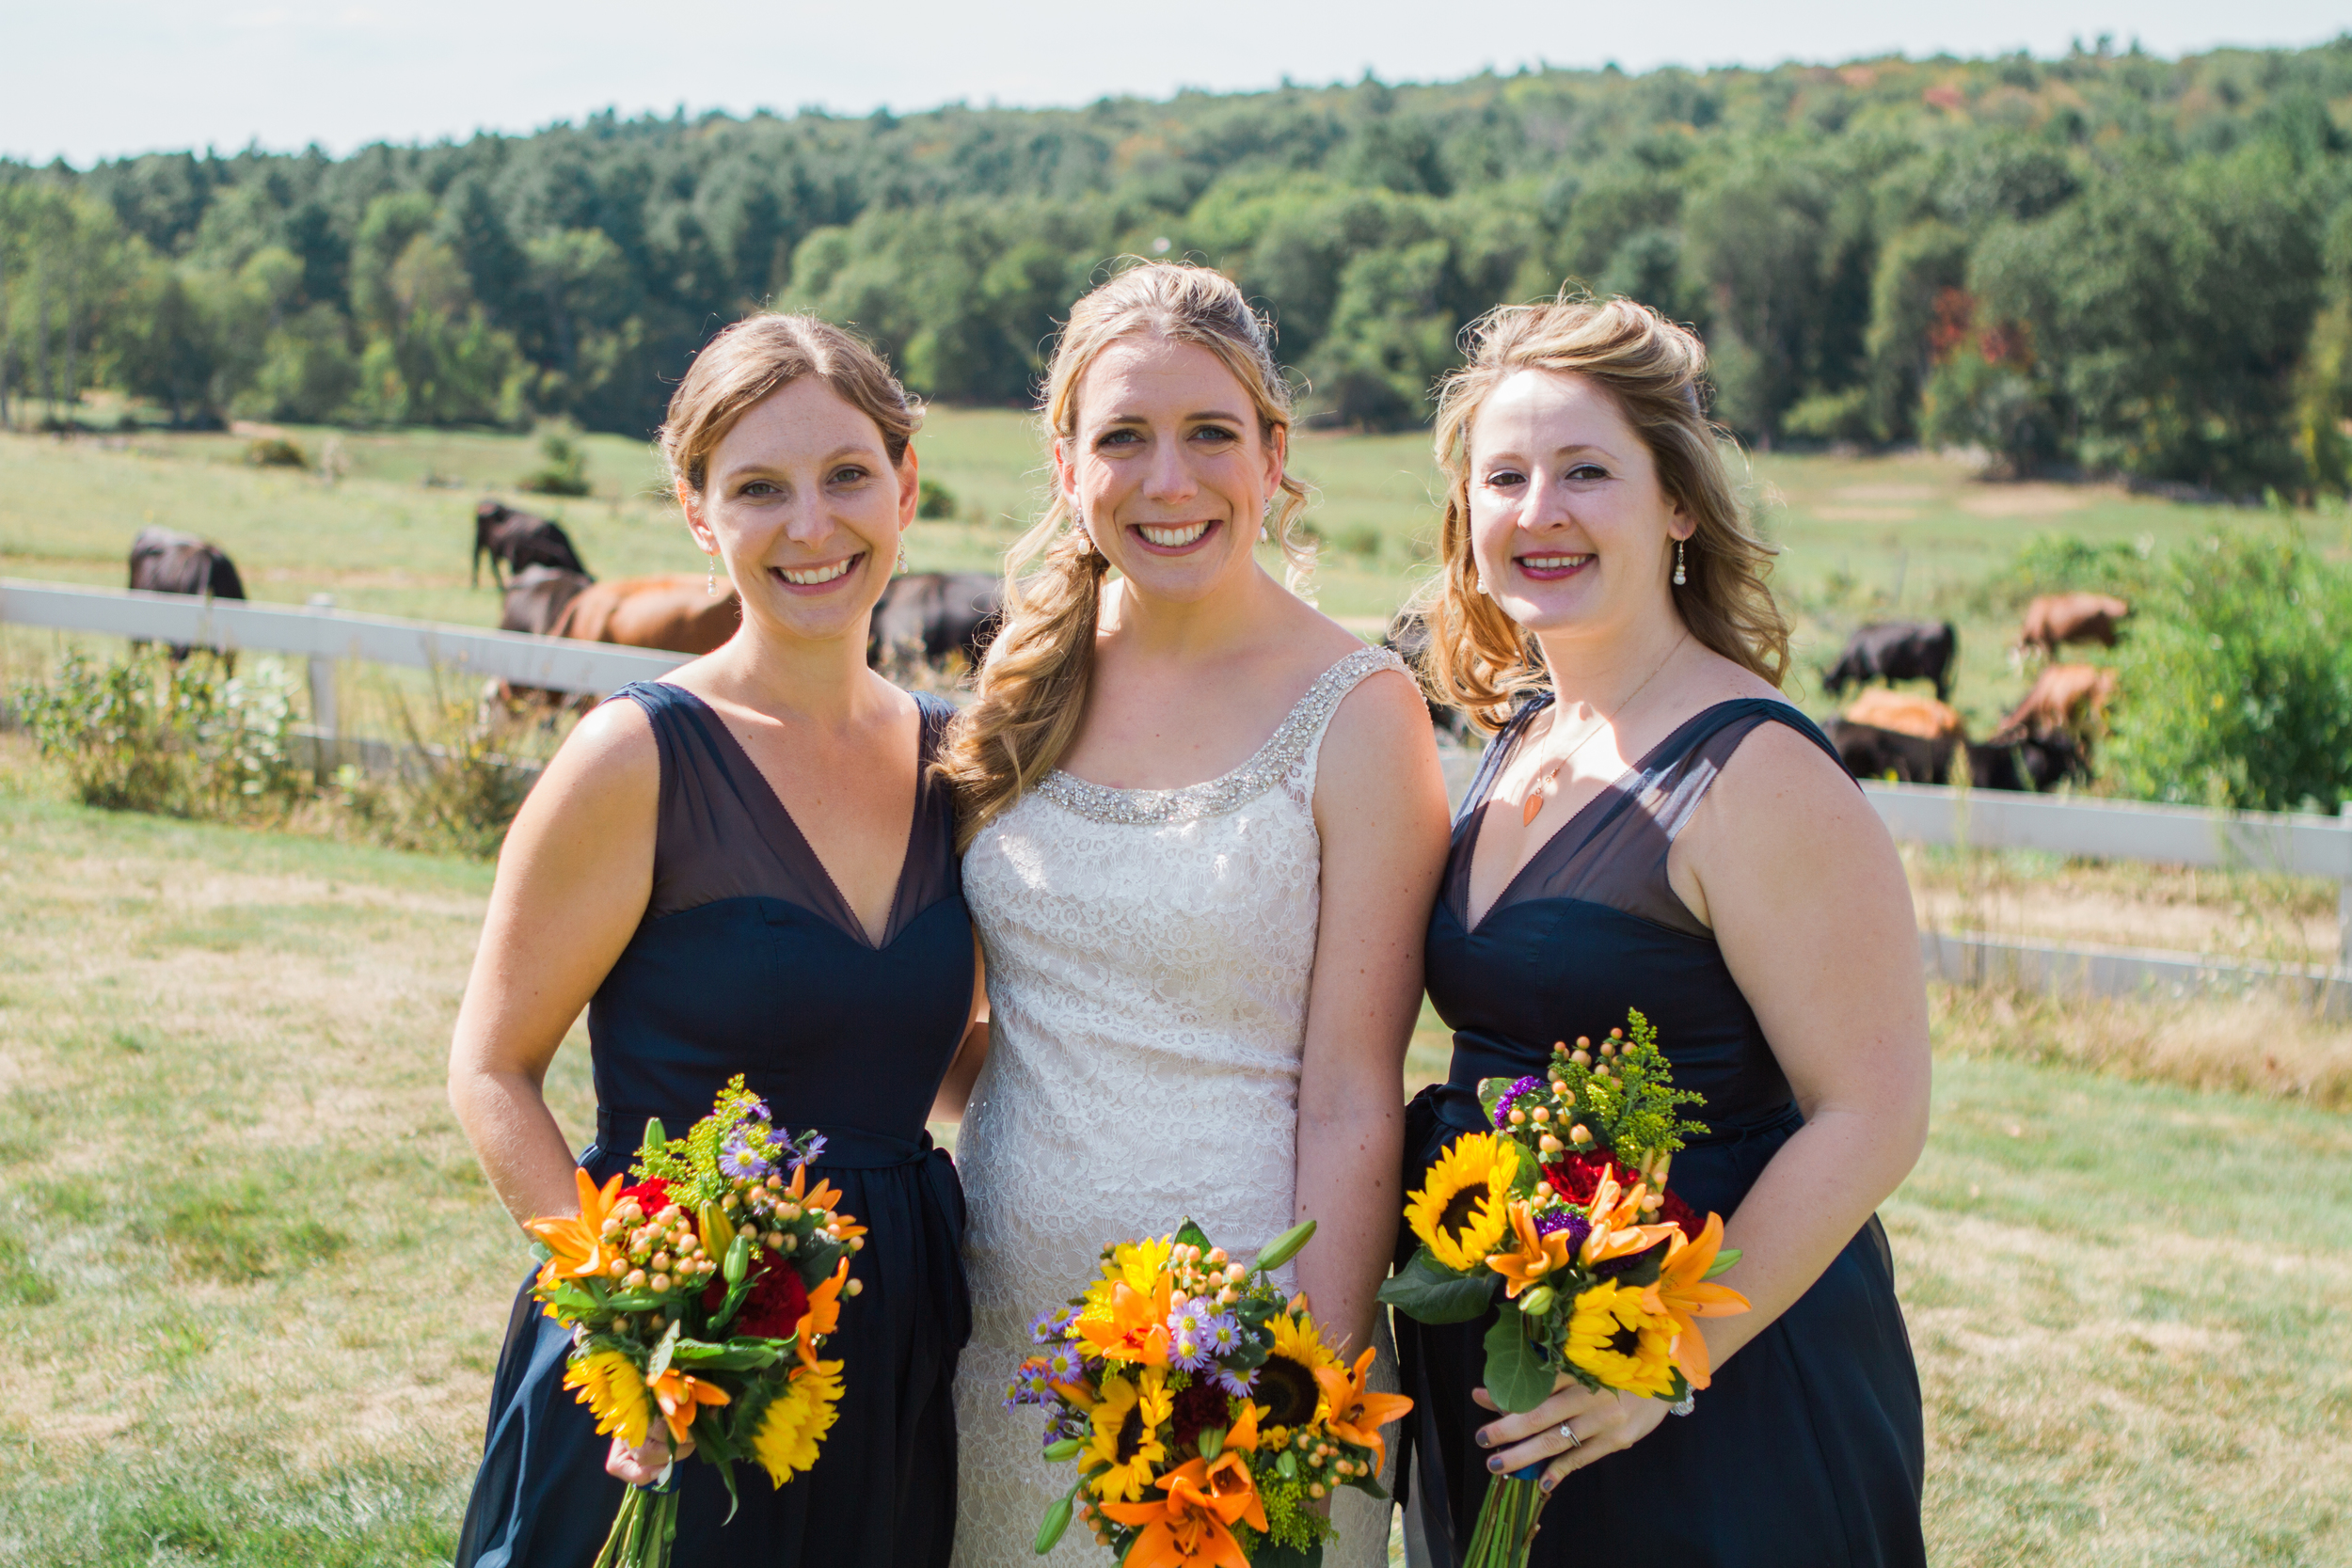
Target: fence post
pixel 326 752
pixel 2343 908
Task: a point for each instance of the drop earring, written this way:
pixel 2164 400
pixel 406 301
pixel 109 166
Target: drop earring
pixel 902 558
pixel 1681 576
pixel 1481 578
pixel 711 581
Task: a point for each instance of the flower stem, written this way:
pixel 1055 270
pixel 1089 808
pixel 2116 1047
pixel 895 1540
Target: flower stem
pixel 1507 1523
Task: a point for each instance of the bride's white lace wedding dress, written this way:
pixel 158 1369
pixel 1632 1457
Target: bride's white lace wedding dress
pixel 1148 955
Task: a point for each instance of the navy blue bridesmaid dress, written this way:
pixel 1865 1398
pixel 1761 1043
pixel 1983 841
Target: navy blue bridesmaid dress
pixel 750 960
pixel 1807 1451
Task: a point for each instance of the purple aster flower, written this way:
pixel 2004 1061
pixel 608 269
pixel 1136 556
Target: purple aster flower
pixel 739 1162
pixel 1510 1098
pixel 1065 1365
pixel 1051 1328
pixel 1223 1332
pixel 1236 1384
pixel 812 1149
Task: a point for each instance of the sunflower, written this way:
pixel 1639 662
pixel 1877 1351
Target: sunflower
pixel 1460 1213
pixel 1127 1419
pixel 797 1419
pixel 614 1390
pixel 1612 1338
pixel 1287 1383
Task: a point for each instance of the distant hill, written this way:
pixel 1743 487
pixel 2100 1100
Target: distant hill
pixel 2109 262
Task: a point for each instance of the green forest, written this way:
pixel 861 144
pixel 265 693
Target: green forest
pixel 2102 263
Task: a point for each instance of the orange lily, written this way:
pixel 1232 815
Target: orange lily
pixel 1136 1330
pixel 1537 1256
pixel 1682 1292
pixel 578 1239
pixel 1357 1413
pixel 1191 1527
pixel 1617 1230
pixel 1243 1434
pixel 824 1312
pixel 680 1397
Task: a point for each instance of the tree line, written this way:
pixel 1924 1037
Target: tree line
pixel 2100 262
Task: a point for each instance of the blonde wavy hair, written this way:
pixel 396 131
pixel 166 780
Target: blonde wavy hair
pixel 1033 686
pixel 1483 662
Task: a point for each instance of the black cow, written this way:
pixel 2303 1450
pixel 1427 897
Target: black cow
pixel 926 616
pixel 1897 651
pixel 536 598
pixel 2031 764
pixel 163 561
pixel 1871 752
pixel 518 539
pixel 1408 639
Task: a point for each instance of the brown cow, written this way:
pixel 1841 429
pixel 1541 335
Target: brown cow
pixel 675 614
pixel 2067 698
pixel 2054 620
pixel 1905 713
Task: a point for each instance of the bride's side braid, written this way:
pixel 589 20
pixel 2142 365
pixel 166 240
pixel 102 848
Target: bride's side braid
pixel 1033 685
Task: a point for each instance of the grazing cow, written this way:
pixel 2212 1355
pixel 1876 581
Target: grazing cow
pixel 1897 651
pixel 518 539
pixel 2056 619
pixel 163 561
pixel 1871 752
pixel 536 598
pixel 1906 713
pixel 675 614
pixel 2028 763
pixel 2070 699
pixel 1408 639
pixel 928 616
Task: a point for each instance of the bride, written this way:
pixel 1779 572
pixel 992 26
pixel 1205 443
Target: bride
pixel 1204 825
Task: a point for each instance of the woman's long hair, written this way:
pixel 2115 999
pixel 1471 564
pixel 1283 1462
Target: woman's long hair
pixel 1033 686
pixel 1480 660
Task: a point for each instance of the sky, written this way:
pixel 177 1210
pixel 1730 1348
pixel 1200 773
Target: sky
pixel 102 78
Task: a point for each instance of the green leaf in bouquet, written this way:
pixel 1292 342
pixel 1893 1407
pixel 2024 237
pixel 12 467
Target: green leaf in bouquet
pixel 1063 1450
pixel 1212 1443
pixel 1518 1376
pixel 1369 1485
pixel 1427 1291
pixel 634 1301
pixel 735 1356
pixel 1286 1246
pixel 1192 1235
pixel 541 1252
pixel 1273 1554
pixel 1724 1260
pixel 663 1349
pixel 1645 1268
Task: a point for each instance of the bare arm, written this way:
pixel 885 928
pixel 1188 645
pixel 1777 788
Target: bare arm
pixel 1380 807
pixel 1788 863
pixel 955 1090
pixel 573 879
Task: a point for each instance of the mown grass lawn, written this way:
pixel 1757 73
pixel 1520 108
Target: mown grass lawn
pixel 251 1284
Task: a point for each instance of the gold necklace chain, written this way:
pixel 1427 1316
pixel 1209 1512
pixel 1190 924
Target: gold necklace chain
pixel 1539 788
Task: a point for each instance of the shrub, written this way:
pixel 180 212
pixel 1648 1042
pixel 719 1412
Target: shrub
pixel 191 739
pixel 934 499
pixel 2066 564
pixel 566 466
pixel 273 451
pixel 2236 681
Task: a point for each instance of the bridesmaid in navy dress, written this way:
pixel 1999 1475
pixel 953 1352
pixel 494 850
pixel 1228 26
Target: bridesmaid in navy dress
pixel 1655 828
pixel 747 867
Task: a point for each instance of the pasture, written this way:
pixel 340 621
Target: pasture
pixel 1863 538
pixel 254 1282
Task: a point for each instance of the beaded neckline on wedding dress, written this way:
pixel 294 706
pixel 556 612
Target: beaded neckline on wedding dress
pixel 1228 791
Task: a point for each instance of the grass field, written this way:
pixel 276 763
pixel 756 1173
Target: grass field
pixel 1863 538
pixel 254 1284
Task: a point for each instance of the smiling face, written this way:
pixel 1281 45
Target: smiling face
pixel 1569 529
pixel 1166 468
pixel 803 505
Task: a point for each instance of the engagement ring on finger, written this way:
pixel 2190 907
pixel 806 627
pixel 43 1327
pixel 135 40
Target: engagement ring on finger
pixel 1569 1432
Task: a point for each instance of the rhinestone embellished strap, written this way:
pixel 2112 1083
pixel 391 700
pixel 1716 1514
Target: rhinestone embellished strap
pixel 1233 790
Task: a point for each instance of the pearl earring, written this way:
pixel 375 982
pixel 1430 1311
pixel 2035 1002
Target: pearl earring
pixel 1681 576
pixel 1482 585
pixel 710 582
pixel 902 558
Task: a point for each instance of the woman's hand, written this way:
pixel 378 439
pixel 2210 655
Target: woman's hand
pixel 1603 1423
pixel 642 1465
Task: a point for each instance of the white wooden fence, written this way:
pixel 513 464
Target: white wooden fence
pixel 1928 813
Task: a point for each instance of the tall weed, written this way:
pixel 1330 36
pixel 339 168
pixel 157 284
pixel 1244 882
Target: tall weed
pixel 187 740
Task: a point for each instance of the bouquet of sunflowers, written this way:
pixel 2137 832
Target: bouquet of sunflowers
pixel 697 1298
pixel 1564 1208
pixel 1205 1413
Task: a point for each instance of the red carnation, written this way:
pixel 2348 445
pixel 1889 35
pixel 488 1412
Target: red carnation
pixel 777 1302
pixel 1675 1211
pixel 1577 1177
pixel 652 1195
pixel 1198 1406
